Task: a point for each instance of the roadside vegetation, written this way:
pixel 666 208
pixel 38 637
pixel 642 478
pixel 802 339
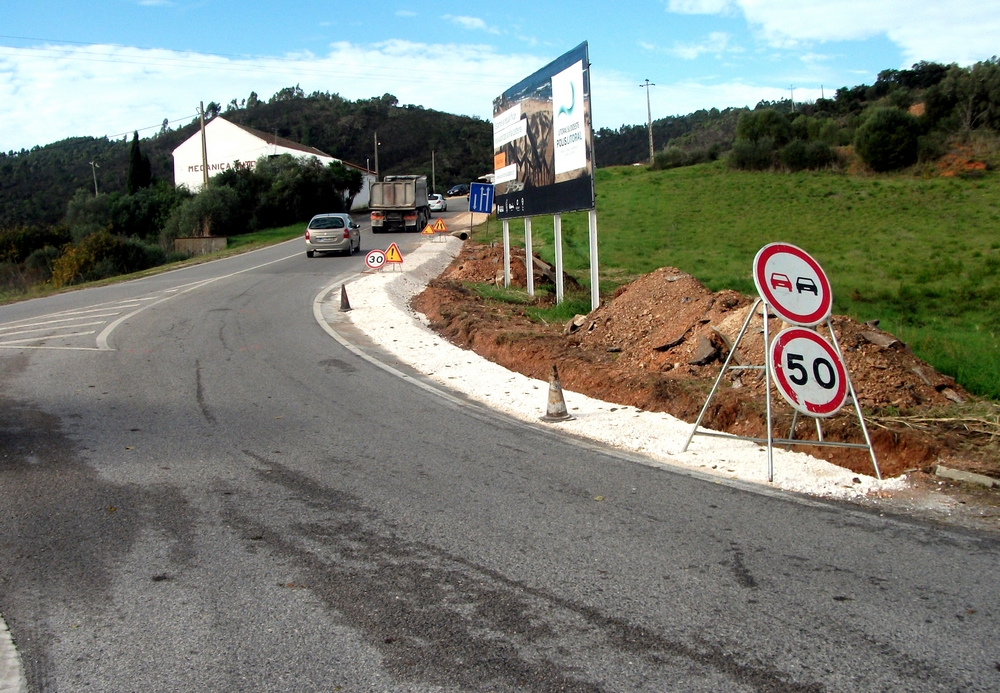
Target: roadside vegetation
pixel 921 255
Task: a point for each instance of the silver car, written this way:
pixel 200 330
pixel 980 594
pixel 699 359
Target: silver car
pixel 332 233
pixel 437 203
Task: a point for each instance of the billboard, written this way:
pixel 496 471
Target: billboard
pixel 543 145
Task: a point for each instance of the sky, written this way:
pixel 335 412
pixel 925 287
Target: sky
pixel 74 67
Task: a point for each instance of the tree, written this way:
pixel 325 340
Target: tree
pixel 140 173
pixel 888 139
pixel 766 122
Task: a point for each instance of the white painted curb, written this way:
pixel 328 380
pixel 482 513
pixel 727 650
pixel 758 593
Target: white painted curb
pixel 11 673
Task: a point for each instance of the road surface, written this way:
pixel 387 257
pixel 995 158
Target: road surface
pixel 201 490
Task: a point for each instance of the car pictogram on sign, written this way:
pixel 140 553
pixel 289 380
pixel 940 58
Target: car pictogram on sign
pixel 793 284
pixel 806 284
pixel 782 280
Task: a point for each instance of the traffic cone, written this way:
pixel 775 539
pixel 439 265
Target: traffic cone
pixel 345 305
pixel 556 409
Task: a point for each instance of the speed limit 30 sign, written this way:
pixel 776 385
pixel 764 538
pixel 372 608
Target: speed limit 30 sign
pixel 808 372
pixel 375 259
pixel 793 284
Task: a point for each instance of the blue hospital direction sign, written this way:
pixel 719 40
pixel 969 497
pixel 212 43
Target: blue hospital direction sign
pixel 481 198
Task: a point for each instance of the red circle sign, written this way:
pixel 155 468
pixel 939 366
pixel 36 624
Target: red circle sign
pixel 375 259
pixel 808 372
pixel 793 284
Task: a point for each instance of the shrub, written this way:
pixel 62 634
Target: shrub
pixel 101 255
pixel 888 139
pixel 18 243
pixel 41 261
pixel 675 157
pixel 932 146
pixel 87 214
pixel 747 155
pixel 146 211
pixel 218 207
pixel 798 155
pixel 765 123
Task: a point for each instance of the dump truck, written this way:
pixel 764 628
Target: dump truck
pixel 399 203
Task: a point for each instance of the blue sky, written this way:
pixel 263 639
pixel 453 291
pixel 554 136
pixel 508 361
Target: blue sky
pixel 83 68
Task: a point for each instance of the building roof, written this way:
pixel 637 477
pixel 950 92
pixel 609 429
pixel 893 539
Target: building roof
pixel 271 138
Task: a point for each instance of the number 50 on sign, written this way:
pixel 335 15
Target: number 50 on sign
pixel 808 372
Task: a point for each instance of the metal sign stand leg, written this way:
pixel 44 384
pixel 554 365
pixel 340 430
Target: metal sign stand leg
pixel 722 373
pixel 765 309
pixel 854 399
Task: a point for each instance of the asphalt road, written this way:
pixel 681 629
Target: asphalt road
pixel 221 497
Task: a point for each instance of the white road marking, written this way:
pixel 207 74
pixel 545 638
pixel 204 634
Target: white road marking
pixel 49 326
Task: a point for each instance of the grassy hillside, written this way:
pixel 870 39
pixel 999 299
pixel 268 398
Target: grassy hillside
pixel 922 256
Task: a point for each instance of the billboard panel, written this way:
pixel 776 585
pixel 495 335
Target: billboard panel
pixel 543 141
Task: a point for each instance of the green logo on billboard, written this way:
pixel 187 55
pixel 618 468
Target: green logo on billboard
pixel 568 110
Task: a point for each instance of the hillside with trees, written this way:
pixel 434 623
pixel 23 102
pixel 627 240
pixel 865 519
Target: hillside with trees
pixel 36 184
pixel 906 117
pixel 86 208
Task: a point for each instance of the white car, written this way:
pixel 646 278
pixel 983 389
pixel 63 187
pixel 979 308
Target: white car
pixel 437 203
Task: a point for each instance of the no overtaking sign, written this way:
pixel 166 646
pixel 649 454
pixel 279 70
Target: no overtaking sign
pixel 793 284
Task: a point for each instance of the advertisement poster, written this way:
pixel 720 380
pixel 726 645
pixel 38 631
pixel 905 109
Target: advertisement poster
pixel 543 141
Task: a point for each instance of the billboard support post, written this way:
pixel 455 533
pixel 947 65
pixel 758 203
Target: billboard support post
pixel 506 253
pixel 529 265
pixel 557 240
pixel 595 287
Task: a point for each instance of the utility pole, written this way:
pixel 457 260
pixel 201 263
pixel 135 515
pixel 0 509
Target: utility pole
pixel 376 155
pixel 433 179
pixel 93 169
pixel 204 147
pixel 649 117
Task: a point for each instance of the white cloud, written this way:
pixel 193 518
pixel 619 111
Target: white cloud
pixel 716 43
pixel 471 23
pixel 156 3
pixel 52 92
pixel 699 6
pixel 922 29
pixel 405 13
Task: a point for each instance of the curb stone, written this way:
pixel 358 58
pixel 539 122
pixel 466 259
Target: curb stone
pixel 11 674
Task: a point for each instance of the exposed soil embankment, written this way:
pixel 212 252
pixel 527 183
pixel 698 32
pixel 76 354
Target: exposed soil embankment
pixel 658 345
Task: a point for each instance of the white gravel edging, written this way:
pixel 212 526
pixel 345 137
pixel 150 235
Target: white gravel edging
pixel 11 673
pixel 380 308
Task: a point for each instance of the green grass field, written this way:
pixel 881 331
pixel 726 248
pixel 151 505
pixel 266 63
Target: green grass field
pixel 921 255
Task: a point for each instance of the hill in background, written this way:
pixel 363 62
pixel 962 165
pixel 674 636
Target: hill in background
pixel 36 185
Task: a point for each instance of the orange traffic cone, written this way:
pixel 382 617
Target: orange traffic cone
pixel 345 305
pixel 556 409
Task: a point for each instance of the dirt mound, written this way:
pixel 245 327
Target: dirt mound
pixel 659 343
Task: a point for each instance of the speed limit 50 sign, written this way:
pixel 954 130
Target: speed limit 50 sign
pixel 808 372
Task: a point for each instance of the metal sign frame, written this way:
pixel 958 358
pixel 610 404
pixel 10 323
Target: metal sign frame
pixel 761 307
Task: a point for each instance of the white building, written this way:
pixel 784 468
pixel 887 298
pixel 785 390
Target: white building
pixel 230 145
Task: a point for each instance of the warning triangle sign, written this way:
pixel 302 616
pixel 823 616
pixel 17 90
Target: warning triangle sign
pixel 392 254
pixel 439 226
pixel 428 231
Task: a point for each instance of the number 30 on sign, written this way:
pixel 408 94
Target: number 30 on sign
pixel 808 372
